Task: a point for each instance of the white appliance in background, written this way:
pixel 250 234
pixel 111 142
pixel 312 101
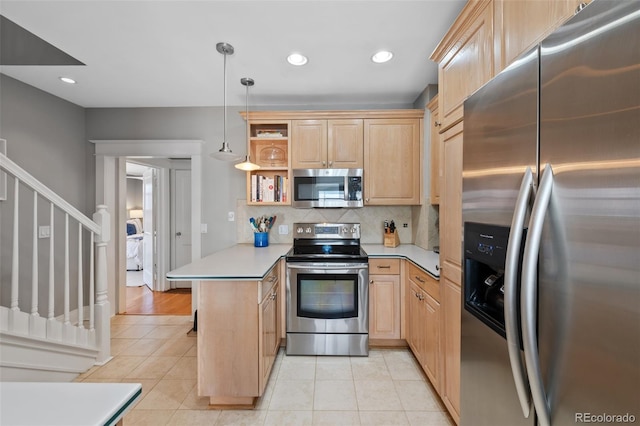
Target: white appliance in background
pixel 551 215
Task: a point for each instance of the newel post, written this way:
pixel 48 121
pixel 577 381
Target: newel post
pixel 102 310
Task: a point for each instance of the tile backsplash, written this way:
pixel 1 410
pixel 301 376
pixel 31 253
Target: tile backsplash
pixel 370 218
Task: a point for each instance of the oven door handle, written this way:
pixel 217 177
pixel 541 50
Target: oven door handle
pixel 328 266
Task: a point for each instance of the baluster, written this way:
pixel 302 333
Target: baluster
pixel 91 283
pixel 51 266
pixel 16 235
pixel 66 268
pixel 34 257
pixel 80 280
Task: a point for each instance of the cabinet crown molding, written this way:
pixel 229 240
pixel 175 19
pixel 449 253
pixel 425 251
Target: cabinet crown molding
pixel 333 114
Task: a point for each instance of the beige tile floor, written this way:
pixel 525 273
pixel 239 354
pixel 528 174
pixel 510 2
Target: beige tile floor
pixel 386 388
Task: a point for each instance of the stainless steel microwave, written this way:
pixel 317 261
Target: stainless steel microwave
pixel 327 188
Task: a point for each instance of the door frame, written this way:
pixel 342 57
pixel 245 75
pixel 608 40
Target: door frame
pixel 111 157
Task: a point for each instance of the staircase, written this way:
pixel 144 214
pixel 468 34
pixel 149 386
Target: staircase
pixel 54 310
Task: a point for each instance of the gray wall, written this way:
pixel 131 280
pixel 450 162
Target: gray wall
pixel 46 137
pixel 134 194
pixel 222 184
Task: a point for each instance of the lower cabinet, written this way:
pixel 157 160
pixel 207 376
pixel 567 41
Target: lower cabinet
pixel 384 299
pixel 238 338
pixel 452 305
pixel 423 334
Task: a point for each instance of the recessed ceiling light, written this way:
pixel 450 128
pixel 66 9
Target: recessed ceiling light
pixel 68 80
pixel 382 56
pixel 297 59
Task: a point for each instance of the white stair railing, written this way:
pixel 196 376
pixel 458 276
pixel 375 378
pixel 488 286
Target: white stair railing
pixel 62 325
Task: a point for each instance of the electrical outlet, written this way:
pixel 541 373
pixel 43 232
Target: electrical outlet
pixel 405 225
pixel 44 231
pixel 283 229
pixel 231 216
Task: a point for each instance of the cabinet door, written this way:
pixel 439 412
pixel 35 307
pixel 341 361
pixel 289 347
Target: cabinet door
pixel 432 340
pixel 309 144
pixel 269 332
pixel 451 306
pixel 413 319
pixel 345 145
pixel 468 64
pixel 392 161
pixel 435 143
pixel 451 201
pixel 523 23
pixel 384 306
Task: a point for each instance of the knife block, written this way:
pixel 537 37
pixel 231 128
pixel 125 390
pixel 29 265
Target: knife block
pixel 391 239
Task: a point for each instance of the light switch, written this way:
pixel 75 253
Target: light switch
pixel 283 229
pixel 231 216
pixel 203 228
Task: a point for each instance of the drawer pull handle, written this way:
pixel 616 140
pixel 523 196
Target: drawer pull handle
pixel 384 266
pixel 420 279
pixel 273 296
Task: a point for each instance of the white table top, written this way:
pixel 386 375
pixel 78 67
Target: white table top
pixel 244 262
pixel 66 404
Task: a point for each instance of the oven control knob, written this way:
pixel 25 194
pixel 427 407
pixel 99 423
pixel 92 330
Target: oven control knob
pixel 353 230
pixel 300 230
pixel 308 230
pixel 345 229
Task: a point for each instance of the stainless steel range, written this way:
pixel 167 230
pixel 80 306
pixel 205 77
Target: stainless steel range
pixel 327 291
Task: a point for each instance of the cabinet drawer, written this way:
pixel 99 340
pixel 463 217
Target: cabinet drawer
pixel 384 266
pixel 424 281
pixel 269 280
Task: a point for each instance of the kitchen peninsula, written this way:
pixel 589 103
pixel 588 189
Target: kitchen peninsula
pixel 241 311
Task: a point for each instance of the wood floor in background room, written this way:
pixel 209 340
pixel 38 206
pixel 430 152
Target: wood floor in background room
pixel 142 301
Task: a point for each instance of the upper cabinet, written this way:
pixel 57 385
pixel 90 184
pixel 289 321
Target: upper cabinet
pixel 393 161
pixel 269 147
pixel 386 144
pixel 436 151
pixel 465 58
pixel 519 25
pixel 319 144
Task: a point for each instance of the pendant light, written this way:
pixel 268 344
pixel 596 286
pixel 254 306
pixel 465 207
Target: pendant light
pixel 247 165
pixel 225 153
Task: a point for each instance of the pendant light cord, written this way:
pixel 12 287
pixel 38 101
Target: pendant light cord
pixel 225 98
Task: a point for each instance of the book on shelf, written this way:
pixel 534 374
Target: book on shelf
pixel 268 189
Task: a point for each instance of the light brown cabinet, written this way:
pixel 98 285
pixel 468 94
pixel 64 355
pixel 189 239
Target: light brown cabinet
pixel 319 144
pixel 465 58
pixel 423 334
pixel 451 307
pixel 519 25
pixel 393 161
pixel 451 215
pixel 238 338
pixel 436 151
pixel 269 147
pixel 384 299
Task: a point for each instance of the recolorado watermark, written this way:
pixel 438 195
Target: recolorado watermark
pixel 604 418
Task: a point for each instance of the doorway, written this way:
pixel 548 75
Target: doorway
pixel 111 156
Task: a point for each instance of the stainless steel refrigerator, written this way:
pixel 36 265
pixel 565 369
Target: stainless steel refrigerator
pixel 551 216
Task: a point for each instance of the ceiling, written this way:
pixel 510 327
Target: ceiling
pixel 163 53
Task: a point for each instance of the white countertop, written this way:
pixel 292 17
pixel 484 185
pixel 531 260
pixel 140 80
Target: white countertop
pixel 239 262
pixel 66 404
pixel 427 260
pixel 246 262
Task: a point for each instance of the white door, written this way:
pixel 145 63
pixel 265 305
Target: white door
pixel 149 238
pixel 181 222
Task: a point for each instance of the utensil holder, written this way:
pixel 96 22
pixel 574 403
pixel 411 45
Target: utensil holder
pixel 391 239
pixel 260 239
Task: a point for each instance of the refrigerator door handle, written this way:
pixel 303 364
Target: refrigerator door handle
pixel 529 295
pixel 510 292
